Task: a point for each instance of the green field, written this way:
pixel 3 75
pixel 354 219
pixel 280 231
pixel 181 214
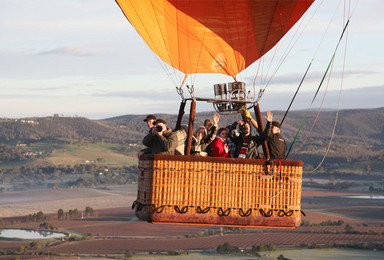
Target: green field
pixel 73 152
pixel 106 153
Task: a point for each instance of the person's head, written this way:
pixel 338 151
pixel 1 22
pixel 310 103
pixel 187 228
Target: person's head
pixel 160 125
pixel 245 128
pixel 200 133
pixel 275 127
pixel 208 123
pixel 222 133
pixel 150 119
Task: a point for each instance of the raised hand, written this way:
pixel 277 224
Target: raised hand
pixel 216 118
pixel 269 116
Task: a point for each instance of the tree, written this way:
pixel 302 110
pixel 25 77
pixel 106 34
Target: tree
pixel 226 248
pixel 348 229
pixel 89 211
pixel 40 216
pixel 34 245
pixel 260 248
pixel 60 214
pixel 128 254
pixel 173 252
pixel 21 250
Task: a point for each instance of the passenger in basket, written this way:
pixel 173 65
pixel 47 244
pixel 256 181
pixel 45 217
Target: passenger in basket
pixel 231 145
pixel 246 144
pixel 181 134
pixel 202 138
pixel 160 140
pixel 276 143
pixel 211 127
pixel 199 145
pixel 150 119
pixel 219 145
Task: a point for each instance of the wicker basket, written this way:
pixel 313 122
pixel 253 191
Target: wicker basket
pixel 219 191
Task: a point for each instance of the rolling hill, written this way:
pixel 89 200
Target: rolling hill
pixel 358 137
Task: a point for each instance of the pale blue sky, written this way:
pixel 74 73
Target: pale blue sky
pixel 82 57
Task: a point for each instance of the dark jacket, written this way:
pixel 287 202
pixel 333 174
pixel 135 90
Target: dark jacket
pixel 165 144
pixel 276 145
pixel 253 142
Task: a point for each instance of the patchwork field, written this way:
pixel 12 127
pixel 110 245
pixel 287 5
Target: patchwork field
pixel 114 228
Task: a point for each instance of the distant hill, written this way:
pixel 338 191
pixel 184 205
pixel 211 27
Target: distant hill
pixel 359 133
pixel 50 128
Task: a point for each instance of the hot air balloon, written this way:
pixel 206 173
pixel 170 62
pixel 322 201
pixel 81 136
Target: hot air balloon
pixel 216 36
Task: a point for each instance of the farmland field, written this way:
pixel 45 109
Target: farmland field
pixel 114 227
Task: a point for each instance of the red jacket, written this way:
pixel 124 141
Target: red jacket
pixel 218 148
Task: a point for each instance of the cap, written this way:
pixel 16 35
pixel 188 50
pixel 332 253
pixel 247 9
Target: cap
pixel 276 124
pixel 149 117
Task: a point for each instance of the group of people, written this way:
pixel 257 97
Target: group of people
pixel 233 141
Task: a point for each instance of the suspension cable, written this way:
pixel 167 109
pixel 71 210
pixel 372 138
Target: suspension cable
pixel 294 39
pixel 291 44
pixel 294 96
pixel 338 107
pixel 317 115
pixel 318 89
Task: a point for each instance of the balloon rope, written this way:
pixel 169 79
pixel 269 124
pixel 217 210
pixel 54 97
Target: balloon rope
pixel 315 54
pixel 152 39
pixel 337 111
pixel 291 44
pixel 300 28
pixel 318 89
pixel 182 84
pixel 294 96
pixel 317 116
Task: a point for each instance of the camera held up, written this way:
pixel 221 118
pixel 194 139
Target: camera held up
pixel 159 128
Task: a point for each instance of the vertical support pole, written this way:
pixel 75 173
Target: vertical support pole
pixel 190 128
pixel 180 116
pixel 260 129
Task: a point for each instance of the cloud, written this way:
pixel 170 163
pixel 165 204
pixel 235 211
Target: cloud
pixel 368 97
pixel 77 51
pixel 147 95
pixel 295 78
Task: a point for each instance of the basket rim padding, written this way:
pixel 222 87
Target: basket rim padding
pixel 219 159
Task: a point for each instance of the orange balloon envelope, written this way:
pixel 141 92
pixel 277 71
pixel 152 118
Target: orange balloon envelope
pixel 212 36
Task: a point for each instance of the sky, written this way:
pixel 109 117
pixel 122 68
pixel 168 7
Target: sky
pixel 83 58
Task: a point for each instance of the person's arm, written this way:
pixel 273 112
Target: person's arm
pixel 212 131
pixel 233 132
pixel 254 123
pixel 269 118
pixel 168 143
pixel 216 118
pixel 211 136
pixel 247 116
pixel 194 144
pixel 267 132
